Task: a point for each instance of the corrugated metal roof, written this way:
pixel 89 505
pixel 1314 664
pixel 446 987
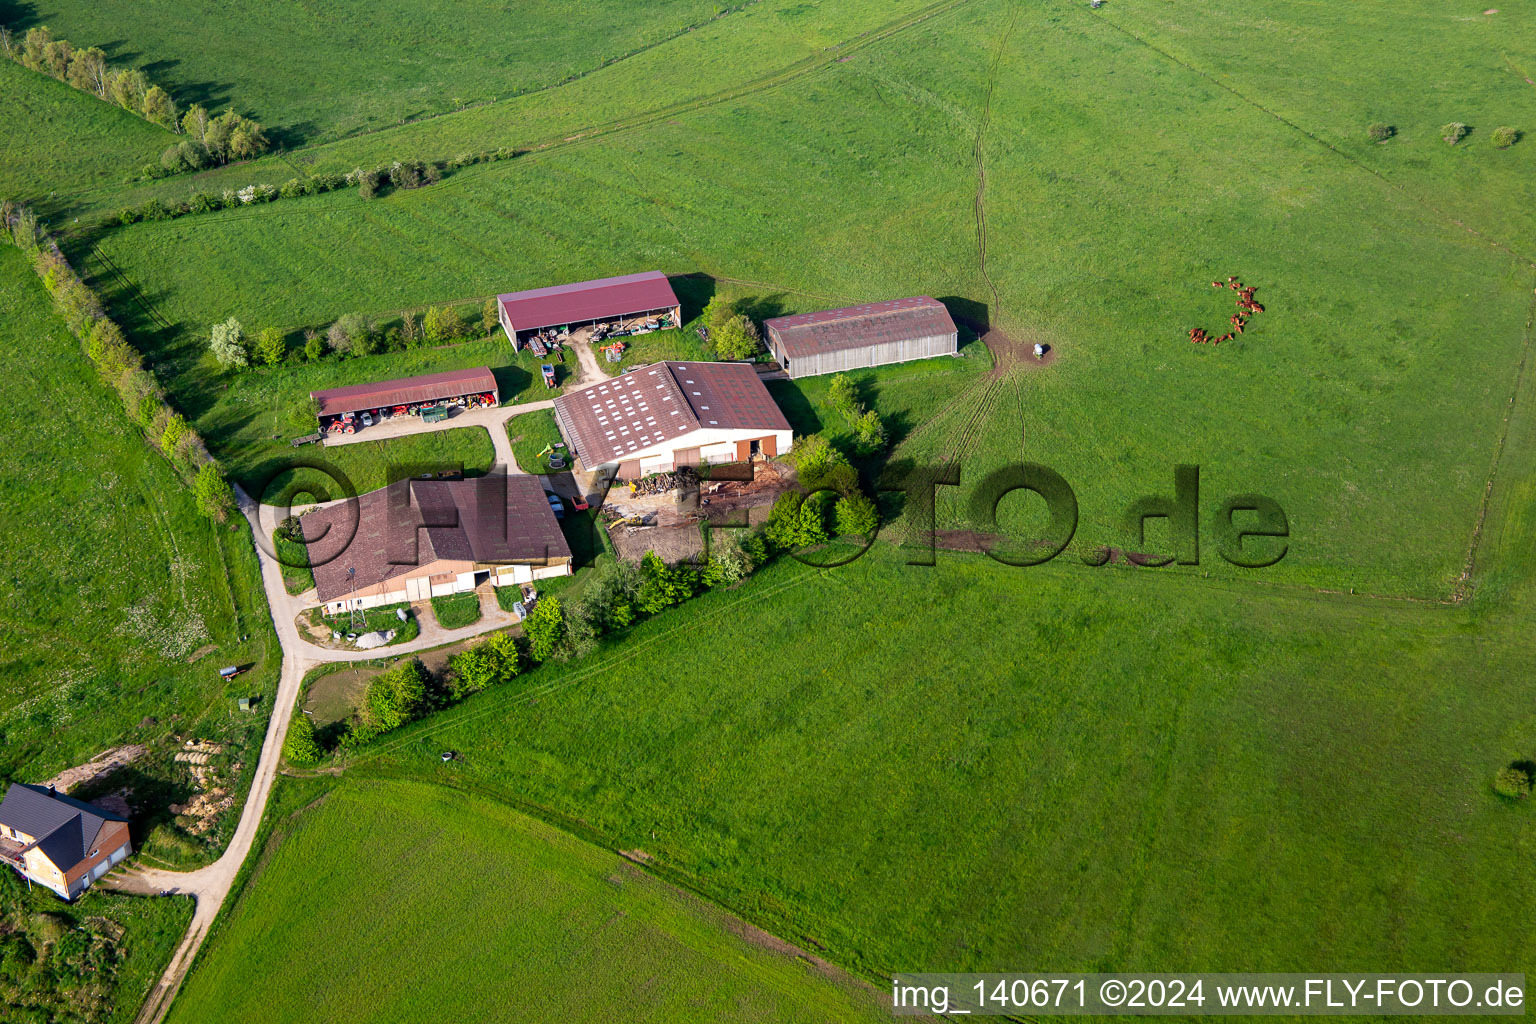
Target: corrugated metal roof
pixel 614 420
pixel 405 391
pixel 588 300
pixel 62 827
pixel 873 323
pixel 491 525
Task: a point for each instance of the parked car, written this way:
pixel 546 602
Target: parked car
pixel 367 419
pixel 556 506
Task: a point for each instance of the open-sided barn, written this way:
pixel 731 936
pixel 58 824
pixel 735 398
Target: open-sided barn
pixel 419 539
pixel 873 334
pixel 632 296
pixel 338 406
pixel 666 415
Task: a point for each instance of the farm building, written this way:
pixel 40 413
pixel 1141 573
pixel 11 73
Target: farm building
pixel 57 841
pixel 873 334
pixel 658 417
pixel 419 539
pixel 633 297
pixel 342 409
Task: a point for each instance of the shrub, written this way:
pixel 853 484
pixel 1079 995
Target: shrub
pixel 270 346
pixel 1379 132
pixel 492 660
pixel 367 183
pixel 293 188
pixel 1454 132
pixel 201 202
pixel 128 215
pixel 868 434
pixel 856 516
pixel 544 627
pixel 842 395
pixel 1513 781
pixel 314 344
pixel 172 161
pixel 394 697
pixel 1504 136
pixel 212 493
pixel 662 585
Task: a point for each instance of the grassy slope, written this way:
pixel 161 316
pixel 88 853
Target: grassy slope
pixel 1083 768
pixel 56 138
pixel 112 579
pixel 491 910
pixel 1340 400
pixel 350 67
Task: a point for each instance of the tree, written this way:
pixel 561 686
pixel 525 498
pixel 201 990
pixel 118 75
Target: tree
pixel 490 316
pixel 813 519
pixel 662 585
pixel 32 46
pixel 212 493
pixel 737 338
pixel 56 58
pixel 337 337
pixel 195 123
pixel 299 747
pixel 441 324
pixel 716 312
pixel 227 343
pixel 856 516
pixel 580 633
pixel 355 333
pixel 247 139
pixel 868 434
pixel 410 329
pixel 727 565
pixel 172 159
pixel 270 346
pixel 88 71
pixel 159 108
pixel 842 395
pixel 314 345
pixel 544 627
pixel 128 87
pixel 1453 132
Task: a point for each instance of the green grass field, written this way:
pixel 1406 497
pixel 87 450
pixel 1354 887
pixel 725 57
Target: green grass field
pixel 490 911
pixel 121 601
pixel 530 433
pixel 456 610
pixel 958 766
pixel 58 139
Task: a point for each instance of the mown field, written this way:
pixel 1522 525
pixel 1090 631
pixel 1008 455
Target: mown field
pixel 121 601
pixel 491 913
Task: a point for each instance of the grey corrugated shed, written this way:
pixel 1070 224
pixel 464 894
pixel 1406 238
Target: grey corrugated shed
pixel 873 323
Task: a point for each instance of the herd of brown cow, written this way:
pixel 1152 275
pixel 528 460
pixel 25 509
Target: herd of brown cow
pixel 1246 309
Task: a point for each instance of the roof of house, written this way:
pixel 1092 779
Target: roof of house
pixel 493 519
pixel 588 300
pixel 873 323
pixel 63 828
pixel 664 402
pixel 405 391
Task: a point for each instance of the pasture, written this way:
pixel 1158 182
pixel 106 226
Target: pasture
pixel 490 912
pixel 863 159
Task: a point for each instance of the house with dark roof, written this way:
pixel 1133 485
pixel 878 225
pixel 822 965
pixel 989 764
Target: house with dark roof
pixel 419 539
pixel 58 841
pixel 669 414
pixel 853 337
pixel 630 297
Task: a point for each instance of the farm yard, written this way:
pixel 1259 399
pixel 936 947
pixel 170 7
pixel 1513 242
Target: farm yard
pixel 912 761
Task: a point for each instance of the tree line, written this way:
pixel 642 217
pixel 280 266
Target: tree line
pixel 352 334
pixel 211 139
pixel 120 365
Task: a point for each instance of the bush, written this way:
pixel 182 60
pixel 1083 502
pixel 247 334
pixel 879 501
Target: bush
pixel 1379 132
pixel 1454 132
pixel 227 343
pixel 492 660
pixel 843 396
pixel 270 346
pixel 293 188
pixel 1504 136
pixel 394 698
pixel 314 345
pixel 1513 781
pixel 212 492
pixel 544 627
pixel 856 516
pixel 868 434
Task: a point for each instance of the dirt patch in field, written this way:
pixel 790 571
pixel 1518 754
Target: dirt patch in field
pixel 333 697
pixel 103 764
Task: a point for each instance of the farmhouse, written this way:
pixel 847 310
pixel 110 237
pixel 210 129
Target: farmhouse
pixel 57 841
pixel 666 415
pixel 873 334
pixel 641 296
pixel 341 409
pixel 419 539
